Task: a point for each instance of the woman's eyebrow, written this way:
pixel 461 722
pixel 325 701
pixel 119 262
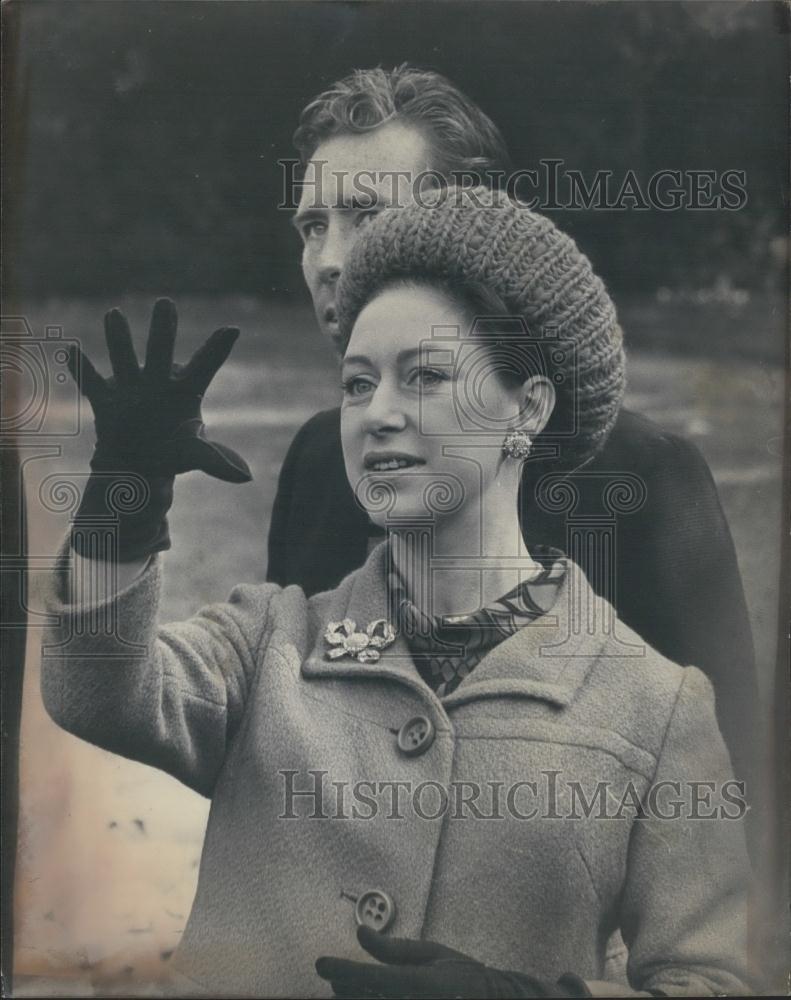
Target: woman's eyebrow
pixel 401 357
pixel 355 359
pixel 410 353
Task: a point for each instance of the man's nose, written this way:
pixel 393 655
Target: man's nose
pixel 332 254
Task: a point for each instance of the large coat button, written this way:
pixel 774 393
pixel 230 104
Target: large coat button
pixel 415 736
pixel 375 909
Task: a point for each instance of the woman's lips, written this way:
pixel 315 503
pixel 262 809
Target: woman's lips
pixel 391 462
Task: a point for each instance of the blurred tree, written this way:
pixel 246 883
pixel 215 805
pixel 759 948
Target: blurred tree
pixel 154 128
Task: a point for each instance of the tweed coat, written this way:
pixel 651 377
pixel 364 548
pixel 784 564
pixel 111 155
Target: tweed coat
pixel 677 581
pixel 241 704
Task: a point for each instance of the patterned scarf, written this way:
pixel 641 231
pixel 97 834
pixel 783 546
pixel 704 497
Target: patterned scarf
pixel 446 648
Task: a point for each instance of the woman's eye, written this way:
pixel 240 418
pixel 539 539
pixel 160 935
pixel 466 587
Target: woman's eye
pixel 427 378
pixel 357 386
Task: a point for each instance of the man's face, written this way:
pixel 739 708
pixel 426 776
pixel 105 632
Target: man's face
pixel 346 174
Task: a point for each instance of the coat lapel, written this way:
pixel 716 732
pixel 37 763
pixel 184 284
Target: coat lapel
pixel 547 659
pixel 363 598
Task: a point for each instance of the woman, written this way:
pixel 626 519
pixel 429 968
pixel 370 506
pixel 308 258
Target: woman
pixel 446 753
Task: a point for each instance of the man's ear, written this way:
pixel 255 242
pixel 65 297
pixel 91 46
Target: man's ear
pixel 537 400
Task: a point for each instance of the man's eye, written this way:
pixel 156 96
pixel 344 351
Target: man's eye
pixel 357 386
pixel 309 230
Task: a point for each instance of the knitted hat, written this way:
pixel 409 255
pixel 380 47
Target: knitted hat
pixel 477 236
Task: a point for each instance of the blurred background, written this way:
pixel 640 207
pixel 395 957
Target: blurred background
pixel 141 148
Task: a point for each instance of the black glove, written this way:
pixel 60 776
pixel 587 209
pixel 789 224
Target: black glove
pixel 425 969
pixel 148 429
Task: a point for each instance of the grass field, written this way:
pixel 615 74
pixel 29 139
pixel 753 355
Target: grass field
pixel 109 849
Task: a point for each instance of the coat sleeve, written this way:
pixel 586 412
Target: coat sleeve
pixel 168 696
pixel 685 902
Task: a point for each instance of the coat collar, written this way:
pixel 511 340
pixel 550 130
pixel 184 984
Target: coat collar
pixel 547 659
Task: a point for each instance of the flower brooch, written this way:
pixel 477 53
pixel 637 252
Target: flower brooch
pixel 343 639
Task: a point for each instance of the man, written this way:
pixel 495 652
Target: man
pixel 676 580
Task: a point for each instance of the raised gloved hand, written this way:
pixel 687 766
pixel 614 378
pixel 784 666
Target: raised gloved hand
pixel 148 424
pixel 425 969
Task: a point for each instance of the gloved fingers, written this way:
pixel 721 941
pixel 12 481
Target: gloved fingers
pixel 90 382
pixel 340 987
pixel 571 985
pixel 402 951
pixel 119 344
pixel 344 992
pixel 362 978
pixel 161 340
pixel 214 459
pixel 209 358
pixel 356 978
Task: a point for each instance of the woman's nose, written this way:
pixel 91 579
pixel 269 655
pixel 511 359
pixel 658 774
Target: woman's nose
pixel 385 412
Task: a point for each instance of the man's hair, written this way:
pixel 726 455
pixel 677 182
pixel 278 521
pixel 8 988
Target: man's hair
pixel 462 137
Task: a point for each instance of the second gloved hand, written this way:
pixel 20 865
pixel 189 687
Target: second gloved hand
pixel 425 969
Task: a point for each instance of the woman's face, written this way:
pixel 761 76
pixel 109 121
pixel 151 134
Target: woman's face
pixel 423 416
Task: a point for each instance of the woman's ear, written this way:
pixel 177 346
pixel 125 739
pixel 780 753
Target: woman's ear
pixel 536 402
